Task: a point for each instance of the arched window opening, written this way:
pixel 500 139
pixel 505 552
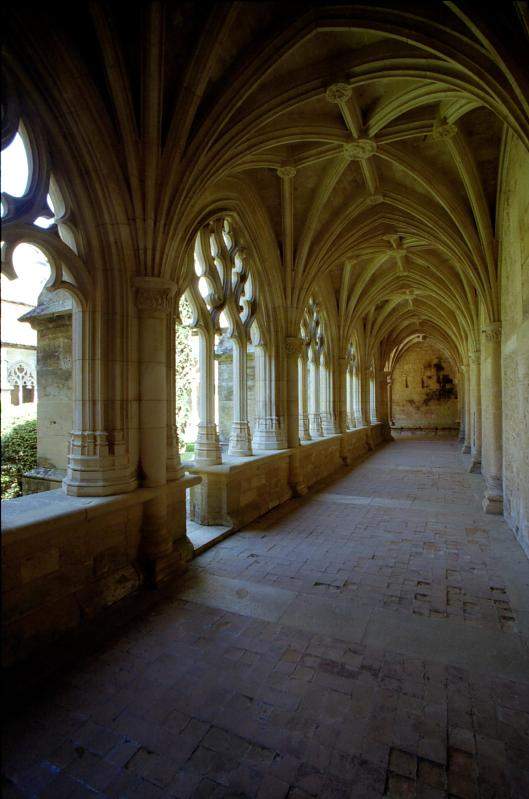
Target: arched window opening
pixel 222 293
pixel 314 340
pixel 36 336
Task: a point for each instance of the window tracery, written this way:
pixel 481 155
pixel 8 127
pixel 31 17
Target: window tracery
pixel 223 297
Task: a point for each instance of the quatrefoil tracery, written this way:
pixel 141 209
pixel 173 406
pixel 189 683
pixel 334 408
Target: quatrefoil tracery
pixel 224 279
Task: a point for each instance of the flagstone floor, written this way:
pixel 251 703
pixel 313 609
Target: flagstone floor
pixel 368 640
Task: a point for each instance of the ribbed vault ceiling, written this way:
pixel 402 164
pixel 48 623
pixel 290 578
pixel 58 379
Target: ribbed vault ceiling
pixel 370 138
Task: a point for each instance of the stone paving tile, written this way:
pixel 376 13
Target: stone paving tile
pixel 372 651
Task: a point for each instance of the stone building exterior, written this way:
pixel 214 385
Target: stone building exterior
pixel 329 186
pixel 18 380
pixel 51 319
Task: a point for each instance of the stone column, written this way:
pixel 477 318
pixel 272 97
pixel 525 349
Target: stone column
pixel 315 425
pixel 475 395
pixel 493 497
pixel 268 434
pixel 343 415
pixel 462 399
pixel 293 347
pixel 304 432
pixel 358 404
pixel 240 439
pixel 99 462
pixel 207 447
pixel 154 300
pixel 328 415
pixel 465 449
pixel 349 400
pixel 164 545
pixel 389 389
pixel 174 466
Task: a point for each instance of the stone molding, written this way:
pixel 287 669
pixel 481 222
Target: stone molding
pixel 286 171
pixel 374 199
pixel 492 332
pixel 154 294
pixel 444 131
pixel 359 150
pixel 240 443
pixel 338 92
pixel 293 345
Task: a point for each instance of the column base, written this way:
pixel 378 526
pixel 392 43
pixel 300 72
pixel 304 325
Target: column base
pixel 493 497
pixel 240 444
pixel 174 563
pixel 207 447
pixel 268 434
pixel 329 425
pixel 97 483
pixel 475 465
pixel 465 449
pixel 493 504
pixel 304 432
pixel 315 425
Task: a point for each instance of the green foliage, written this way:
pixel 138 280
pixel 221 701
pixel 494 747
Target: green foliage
pixel 19 455
pixel 185 368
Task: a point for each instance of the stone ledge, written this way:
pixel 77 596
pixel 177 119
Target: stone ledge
pixel 39 512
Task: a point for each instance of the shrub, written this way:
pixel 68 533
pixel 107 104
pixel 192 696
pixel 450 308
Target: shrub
pixel 19 455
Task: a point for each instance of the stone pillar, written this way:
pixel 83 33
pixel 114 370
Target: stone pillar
pixel 99 462
pixel 461 390
pixel 293 347
pixel 389 390
pixel 304 432
pixel 207 447
pixel 315 425
pixel 328 415
pixel 174 467
pixel 268 434
pixel 343 416
pixel 467 411
pixel 475 394
pixel 358 404
pixel 493 497
pixel 164 545
pixel 240 439
pixel 154 299
pixel 349 399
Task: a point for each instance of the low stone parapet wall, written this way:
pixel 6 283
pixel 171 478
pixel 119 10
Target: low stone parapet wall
pixel 65 559
pixel 319 458
pixel 239 490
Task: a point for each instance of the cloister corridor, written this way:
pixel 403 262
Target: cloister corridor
pixel 368 639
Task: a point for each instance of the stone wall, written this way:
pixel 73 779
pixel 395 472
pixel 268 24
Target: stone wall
pixel 240 490
pixel 52 319
pixel 320 458
pixel 65 559
pixel 514 266
pixel 424 390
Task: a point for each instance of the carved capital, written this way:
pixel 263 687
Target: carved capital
pixel 492 332
pixel 374 199
pixel 359 150
pixel 286 171
pixel 474 356
pixel 154 294
pixel 338 92
pixel 444 131
pixel 293 345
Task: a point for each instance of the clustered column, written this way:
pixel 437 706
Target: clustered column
pixel 475 396
pixel 493 499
